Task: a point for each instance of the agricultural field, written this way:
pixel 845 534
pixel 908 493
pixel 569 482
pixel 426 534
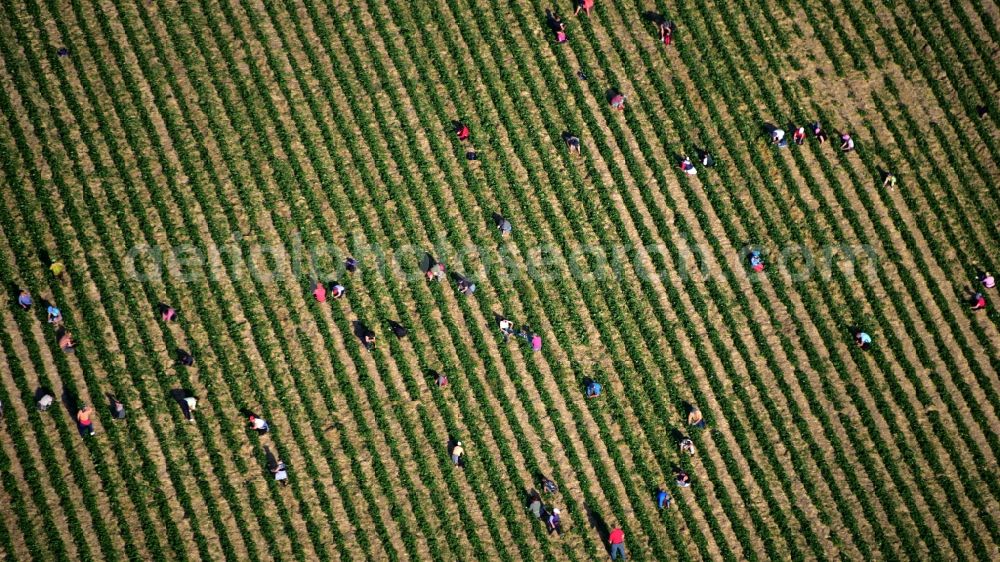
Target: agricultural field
pixel 223 156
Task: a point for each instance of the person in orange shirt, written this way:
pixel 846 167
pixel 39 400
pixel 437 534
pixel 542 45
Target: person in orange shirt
pixel 83 422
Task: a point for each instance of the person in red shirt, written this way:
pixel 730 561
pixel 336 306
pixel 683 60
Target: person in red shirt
pixel 978 302
pixel 462 130
pixel 319 291
pixel 617 542
pixel 666 31
pixel 584 5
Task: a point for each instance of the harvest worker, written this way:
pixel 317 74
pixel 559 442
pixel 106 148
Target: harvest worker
pixel 618 101
pixel 549 486
pixel 777 136
pixel 987 280
pixel 117 409
pixel 456 453
pixel 819 133
pixel 756 261
pixel 688 166
pixel 558 27
pixel 863 340
pixel 188 405
pixel 554 523
pixel 846 142
pixel 617 541
pixel 54 315
pixel 167 313
pixel 536 342
pixel 184 358
pixel 66 342
pixel 462 130
pixel 351 265
pixel 666 31
pixel 280 473
pixel 662 498
pixel 584 5
pixel 436 271
pixel 535 507
pixel 799 136
pixel 319 291
pixel 24 299
pixel 83 422
pixel 695 418
pixel 687 446
pixel 683 480
pixel 504 226
pixel 573 142
pixel 466 287
pixel 978 302
pixel 58 270
pixel 338 291
pixel 707 160
pixel 506 328
pixel 889 181
pixel 440 380
pixel 593 389
pixel 369 341
pixel 259 424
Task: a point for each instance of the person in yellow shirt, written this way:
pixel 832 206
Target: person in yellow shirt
pixel 58 270
pixel 457 452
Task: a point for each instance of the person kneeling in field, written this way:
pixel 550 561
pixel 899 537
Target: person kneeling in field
pixel 687 446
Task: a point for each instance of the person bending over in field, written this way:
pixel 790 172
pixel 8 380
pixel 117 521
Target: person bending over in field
pixel 978 302
pixel 799 136
pixel 535 506
pixel 549 486
pixel 618 101
pixel 687 166
pixel 695 418
pixel 506 328
pixel 337 291
pixel 662 498
pixel 683 480
pixel 167 313
pixel 667 31
pixel 462 130
pixel 584 5
pixel 987 280
pixel 756 261
pixel 66 342
pixel 846 143
pixel 593 389
pixel 456 454
pixel 558 27
pixel 889 181
pixel 258 424
pixel 687 446
pixel 24 299
pixel 369 341
pixel 54 315
pixel 707 160
pixel 819 133
pixel 778 138
pixel 436 272
pixel 319 291
pixel 554 523
pixel 280 472
pixel 440 380
pixel 863 340
pixel 573 142
pixel 184 358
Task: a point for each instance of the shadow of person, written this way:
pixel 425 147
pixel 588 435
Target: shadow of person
pixel 597 523
pixel 272 461
pixel 71 402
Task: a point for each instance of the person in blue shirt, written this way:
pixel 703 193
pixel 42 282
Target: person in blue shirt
pixel 55 316
pixel 24 299
pixel 662 499
pixel 593 389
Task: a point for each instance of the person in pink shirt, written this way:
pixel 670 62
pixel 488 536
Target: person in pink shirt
pixel 536 342
pixel 584 5
pixel 319 291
